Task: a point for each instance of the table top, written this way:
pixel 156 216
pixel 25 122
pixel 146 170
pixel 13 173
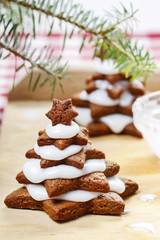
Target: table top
pixel 22 122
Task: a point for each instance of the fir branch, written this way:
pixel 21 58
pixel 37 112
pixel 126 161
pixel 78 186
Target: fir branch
pixel 82 19
pixel 11 39
pixel 41 66
pixel 107 38
pixel 136 64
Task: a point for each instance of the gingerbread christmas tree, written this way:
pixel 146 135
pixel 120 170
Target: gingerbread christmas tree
pixel 105 106
pixel 66 176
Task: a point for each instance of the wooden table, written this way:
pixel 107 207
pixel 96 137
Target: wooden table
pixel 22 122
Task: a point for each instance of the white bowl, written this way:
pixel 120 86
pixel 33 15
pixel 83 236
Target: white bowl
pixel 146 118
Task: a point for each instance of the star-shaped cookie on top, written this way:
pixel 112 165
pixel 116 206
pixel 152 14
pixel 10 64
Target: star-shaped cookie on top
pixel 61 112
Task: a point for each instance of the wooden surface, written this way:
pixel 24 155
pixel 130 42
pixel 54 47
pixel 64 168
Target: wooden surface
pixel 22 122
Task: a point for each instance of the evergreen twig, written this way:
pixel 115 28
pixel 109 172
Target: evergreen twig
pixel 106 36
pixel 11 39
pixel 105 33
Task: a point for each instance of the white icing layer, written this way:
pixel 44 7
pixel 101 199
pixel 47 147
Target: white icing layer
pixel 148 197
pixel 116 122
pixel 100 97
pixel 35 174
pixel 143 226
pixel 106 67
pixel 103 84
pixel 62 131
pixel 116 184
pixel 39 193
pixel 84 117
pixel 53 153
pixel 126 211
pixel 138 83
pixel 121 83
pixel 83 95
pixel 126 99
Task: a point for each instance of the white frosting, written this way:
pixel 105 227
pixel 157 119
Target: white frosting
pixel 126 211
pixel 35 174
pixel 84 117
pixel 106 67
pixel 148 197
pixel 121 83
pixel 116 184
pixel 143 226
pixel 103 84
pixel 53 153
pixel 83 95
pixel 138 83
pixel 62 131
pixel 116 122
pixel 39 193
pixel 126 99
pixel 100 97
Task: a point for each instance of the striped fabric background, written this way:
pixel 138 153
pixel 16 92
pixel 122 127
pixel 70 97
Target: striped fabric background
pixel 71 53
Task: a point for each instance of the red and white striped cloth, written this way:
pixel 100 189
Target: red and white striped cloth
pixel 71 53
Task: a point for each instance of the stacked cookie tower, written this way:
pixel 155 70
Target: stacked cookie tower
pixel 66 176
pixel 105 106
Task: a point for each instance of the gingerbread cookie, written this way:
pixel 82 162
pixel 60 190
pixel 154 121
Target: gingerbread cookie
pixel 66 176
pixel 107 96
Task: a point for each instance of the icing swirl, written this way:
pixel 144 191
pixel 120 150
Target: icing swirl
pixel 35 174
pixel 50 152
pixel 39 193
pixel 61 131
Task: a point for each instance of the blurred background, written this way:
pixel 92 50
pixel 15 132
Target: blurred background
pixel 147 31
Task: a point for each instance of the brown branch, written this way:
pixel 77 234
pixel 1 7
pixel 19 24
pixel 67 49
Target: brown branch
pixel 25 58
pixel 101 34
